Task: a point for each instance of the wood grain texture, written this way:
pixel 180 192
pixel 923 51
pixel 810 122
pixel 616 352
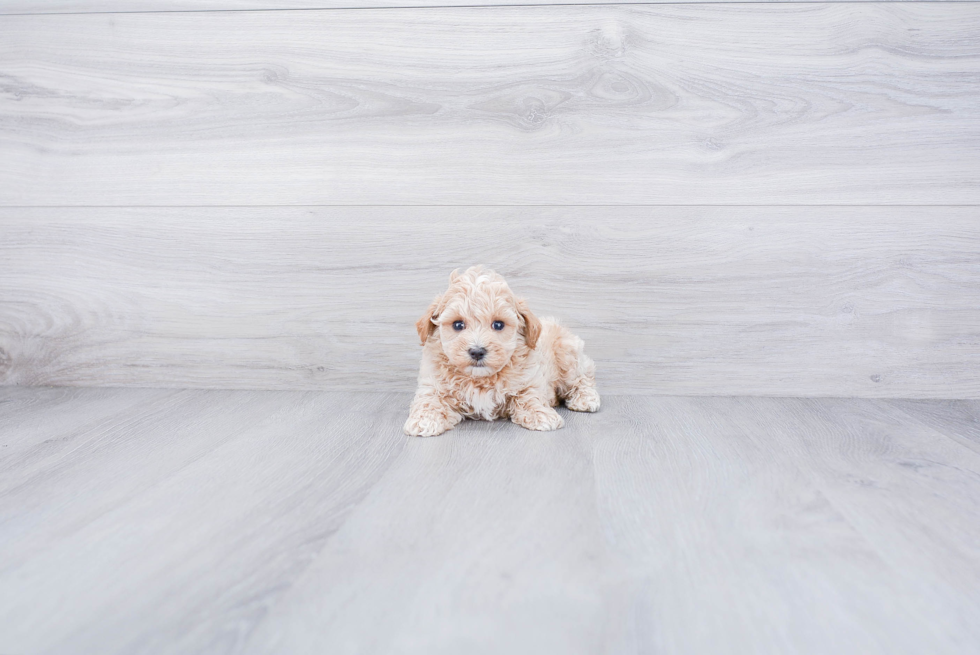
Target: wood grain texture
pixel 884 472
pixel 957 419
pixel 105 6
pixel 304 522
pixel 780 525
pixel 751 301
pixel 667 104
pixel 172 526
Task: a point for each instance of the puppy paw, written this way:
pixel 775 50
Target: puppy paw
pixel 543 419
pixel 427 425
pixel 583 399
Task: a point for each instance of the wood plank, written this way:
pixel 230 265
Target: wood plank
pixel 27 414
pixel 724 517
pixel 832 301
pixel 104 6
pixel 485 541
pixel 834 103
pixel 908 489
pixel 957 419
pixel 175 527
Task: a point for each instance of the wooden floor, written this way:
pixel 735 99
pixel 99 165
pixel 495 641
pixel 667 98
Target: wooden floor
pixel 193 521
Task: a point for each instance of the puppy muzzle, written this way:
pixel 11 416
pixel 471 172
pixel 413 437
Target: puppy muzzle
pixel 477 354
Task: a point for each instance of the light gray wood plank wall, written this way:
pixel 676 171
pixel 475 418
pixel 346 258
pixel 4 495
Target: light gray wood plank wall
pixel 109 6
pixel 691 105
pixel 823 301
pixel 665 104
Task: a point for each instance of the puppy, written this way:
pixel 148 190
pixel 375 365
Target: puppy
pixel 486 356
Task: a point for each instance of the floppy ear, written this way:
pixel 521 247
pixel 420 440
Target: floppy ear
pixel 532 326
pixel 424 325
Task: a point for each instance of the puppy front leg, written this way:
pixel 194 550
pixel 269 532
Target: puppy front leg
pixel 529 411
pixel 429 416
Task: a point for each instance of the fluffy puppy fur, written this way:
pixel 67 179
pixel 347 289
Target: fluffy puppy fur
pixel 486 356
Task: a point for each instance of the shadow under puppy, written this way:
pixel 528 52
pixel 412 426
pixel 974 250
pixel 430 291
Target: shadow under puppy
pixel 486 356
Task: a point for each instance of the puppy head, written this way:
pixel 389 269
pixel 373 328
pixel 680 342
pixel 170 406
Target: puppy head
pixel 480 323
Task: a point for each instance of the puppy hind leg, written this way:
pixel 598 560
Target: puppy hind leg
pixel 583 397
pixel 577 386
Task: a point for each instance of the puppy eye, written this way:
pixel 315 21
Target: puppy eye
pixel 458 325
pixel 497 325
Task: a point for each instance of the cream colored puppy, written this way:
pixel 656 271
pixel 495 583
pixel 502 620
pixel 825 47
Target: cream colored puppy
pixel 486 356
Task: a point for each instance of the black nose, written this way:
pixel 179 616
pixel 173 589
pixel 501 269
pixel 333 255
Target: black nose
pixel 477 353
